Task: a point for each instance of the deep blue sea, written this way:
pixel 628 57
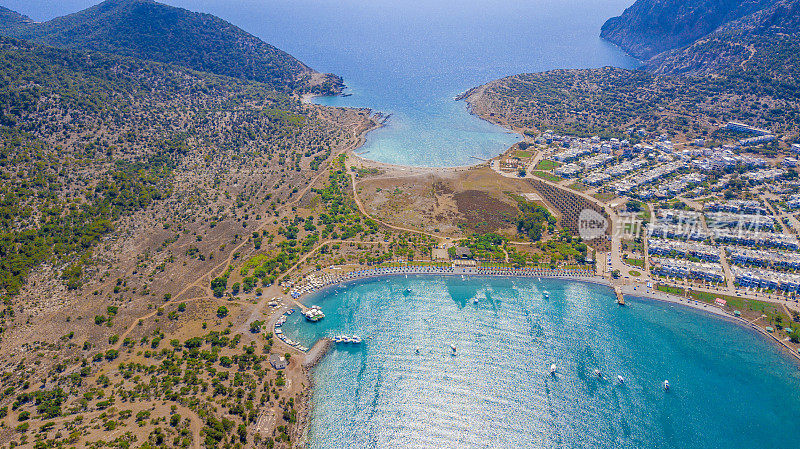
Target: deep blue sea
pixel 730 388
pixel 410 58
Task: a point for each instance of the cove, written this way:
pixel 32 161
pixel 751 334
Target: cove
pixel 411 58
pixel 730 388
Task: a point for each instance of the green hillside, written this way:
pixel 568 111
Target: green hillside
pixel 148 30
pixel 88 139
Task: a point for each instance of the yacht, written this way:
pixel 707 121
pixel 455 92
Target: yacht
pixel 597 373
pixel 546 294
pixel 666 385
pixel 453 349
pixel 620 379
pixel 553 369
pixel 416 351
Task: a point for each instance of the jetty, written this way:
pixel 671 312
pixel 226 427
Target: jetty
pixel 620 296
pixel 315 354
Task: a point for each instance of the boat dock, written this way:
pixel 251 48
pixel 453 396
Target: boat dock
pixel 620 296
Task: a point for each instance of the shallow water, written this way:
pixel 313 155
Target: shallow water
pixel 730 387
pixel 410 58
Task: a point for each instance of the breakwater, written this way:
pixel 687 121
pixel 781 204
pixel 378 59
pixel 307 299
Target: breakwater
pixel 317 352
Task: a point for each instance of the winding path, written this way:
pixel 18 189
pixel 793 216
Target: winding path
pixel 363 210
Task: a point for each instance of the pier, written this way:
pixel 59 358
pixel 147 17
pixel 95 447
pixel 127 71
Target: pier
pixel 620 296
pixel 315 354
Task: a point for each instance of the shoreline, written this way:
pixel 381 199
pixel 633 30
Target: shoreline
pixel 315 355
pixel 477 90
pixel 640 292
pixel 711 309
pixel 412 169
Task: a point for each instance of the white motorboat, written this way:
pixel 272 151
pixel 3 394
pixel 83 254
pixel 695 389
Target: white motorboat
pixel 416 351
pixel 597 373
pixel 620 379
pixel 666 384
pixel 553 368
pixel 546 294
pixel 453 349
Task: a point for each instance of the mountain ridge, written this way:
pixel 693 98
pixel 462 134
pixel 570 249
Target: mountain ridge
pixel 764 42
pixel 149 30
pixel 11 19
pixel 650 27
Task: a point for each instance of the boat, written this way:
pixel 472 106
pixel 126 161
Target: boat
pixel 620 379
pixel 314 314
pixel 416 350
pixel 546 294
pixel 597 373
pixel 474 300
pixel 666 384
pixel 453 349
pixel 553 369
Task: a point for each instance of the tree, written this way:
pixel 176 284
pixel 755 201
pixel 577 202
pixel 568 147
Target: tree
pixel 222 311
pixel 218 285
pixel 633 206
pixel 242 431
pixel 795 335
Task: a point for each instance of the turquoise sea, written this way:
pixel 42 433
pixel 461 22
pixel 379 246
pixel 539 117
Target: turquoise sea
pixel 410 58
pixel 730 388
